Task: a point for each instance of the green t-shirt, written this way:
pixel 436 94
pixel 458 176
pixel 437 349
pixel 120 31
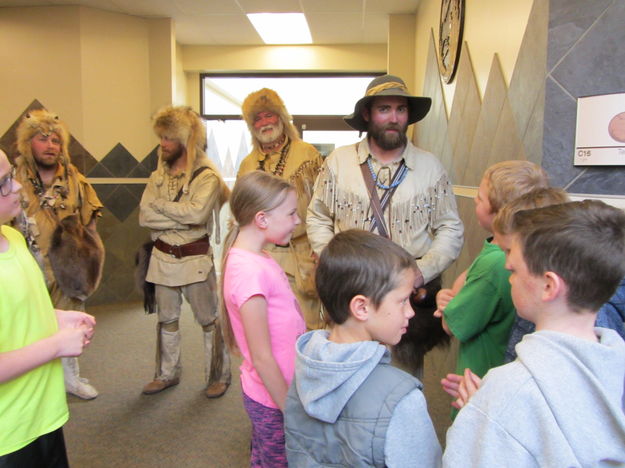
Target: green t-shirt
pixel 480 316
pixel 33 404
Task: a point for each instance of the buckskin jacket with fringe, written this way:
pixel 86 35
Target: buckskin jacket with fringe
pixel 301 169
pixel 421 217
pixel 181 222
pixel 69 194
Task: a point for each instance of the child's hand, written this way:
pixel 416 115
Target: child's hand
pixel 451 384
pixel 461 387
pixel 469 384
pixel 75 319
pixel 442 299
pixel 72 341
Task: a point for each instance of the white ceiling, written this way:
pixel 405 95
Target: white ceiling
pixel 223 22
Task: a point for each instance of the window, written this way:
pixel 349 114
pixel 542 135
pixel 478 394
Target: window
pixel 316 102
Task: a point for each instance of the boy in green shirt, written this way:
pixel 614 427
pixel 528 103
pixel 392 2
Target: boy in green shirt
pixel 478 309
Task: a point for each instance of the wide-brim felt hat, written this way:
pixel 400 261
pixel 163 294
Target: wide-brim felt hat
pixel 388 85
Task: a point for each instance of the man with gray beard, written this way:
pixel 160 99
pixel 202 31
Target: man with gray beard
pixel 279 150
pixel 386 185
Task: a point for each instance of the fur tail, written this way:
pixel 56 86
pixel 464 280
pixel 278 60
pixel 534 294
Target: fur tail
pixel 425 331
pixel 77 258
pixel 142 261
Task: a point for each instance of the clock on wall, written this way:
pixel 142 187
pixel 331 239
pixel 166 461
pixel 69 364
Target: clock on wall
pixel 450 37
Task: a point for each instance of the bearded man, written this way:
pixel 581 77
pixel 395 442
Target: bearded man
pixel 386 185
pixel 279 150
pixel 180 206
pixel 58 201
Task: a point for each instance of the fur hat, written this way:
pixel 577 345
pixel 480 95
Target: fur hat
pixel 185 125
pixel 44 122
pixel 388 85
pixel 267 100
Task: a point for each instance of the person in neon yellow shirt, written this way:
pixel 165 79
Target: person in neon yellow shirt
pixel 33 336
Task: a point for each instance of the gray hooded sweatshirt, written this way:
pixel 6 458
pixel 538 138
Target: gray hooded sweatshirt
pixel 561 403
pixel 327 374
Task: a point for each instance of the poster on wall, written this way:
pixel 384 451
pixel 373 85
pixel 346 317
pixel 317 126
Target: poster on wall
pixel 600 134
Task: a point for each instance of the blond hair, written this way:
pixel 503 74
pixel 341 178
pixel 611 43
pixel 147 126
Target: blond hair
pixel 508 180
pixel 254 192
pixel 502 223
pixel 44 122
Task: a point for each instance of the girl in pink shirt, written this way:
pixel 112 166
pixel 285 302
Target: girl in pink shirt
pixel 261 316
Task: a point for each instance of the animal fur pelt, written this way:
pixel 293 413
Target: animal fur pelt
pixel 424 330
pixel 77 257
pixel 142 262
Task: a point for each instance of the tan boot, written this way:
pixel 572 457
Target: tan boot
pixel 74 384
pixel 216 390
pixel 216 362
pixel 159 385
pixel 167 362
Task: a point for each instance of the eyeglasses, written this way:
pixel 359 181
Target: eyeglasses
pixel 6 183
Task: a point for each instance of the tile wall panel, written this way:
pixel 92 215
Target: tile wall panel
pixel 585 58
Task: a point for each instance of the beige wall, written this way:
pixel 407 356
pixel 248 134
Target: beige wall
pixel 490 27
pixel 103 73
pixel 40 62
pixel 401 48
pixel 180 83
pixel 113 89
pixel 328 58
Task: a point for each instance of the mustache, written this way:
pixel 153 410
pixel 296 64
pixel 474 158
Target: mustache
pixel 268 127
pixel 392 126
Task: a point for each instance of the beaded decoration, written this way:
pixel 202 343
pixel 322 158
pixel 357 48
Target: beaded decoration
pixel 279 170
pixel 394 184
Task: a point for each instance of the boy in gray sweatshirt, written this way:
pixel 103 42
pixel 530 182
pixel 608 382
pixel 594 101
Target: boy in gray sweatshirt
pixel 560 403
pixel 347 406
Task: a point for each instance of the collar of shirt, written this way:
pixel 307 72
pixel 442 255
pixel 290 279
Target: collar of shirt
pixel 363 152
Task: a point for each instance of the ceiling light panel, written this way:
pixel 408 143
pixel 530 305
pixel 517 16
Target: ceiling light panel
pixel 281 28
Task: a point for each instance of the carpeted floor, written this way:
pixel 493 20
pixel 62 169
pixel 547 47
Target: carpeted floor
pixel 179 427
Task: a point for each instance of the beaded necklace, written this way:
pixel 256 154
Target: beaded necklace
pixel 395 183
pixel 279 170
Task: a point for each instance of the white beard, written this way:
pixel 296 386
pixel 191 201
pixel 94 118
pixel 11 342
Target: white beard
pixel 266 137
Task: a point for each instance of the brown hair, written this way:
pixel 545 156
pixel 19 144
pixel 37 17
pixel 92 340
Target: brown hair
pixel 582 242
pixel 508 180
pixel 252 192
pixel 502 223
pixel 358 262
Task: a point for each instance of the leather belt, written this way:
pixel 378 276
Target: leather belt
pixel 197 247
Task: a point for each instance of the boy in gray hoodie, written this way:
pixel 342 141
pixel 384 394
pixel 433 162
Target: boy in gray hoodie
pixel 560 403
pixel 347 406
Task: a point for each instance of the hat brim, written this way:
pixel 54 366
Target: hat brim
pixel 418 109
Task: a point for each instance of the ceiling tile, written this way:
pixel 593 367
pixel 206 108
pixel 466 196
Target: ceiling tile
pixel 332 6
pixel 205 7
pixel 217 29
pixel 275 6
pixel 392 6
pixel 328 28
pixel 223 22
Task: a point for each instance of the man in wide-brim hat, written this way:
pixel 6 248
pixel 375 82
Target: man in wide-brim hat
pixel 386 185
pixel 388 85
